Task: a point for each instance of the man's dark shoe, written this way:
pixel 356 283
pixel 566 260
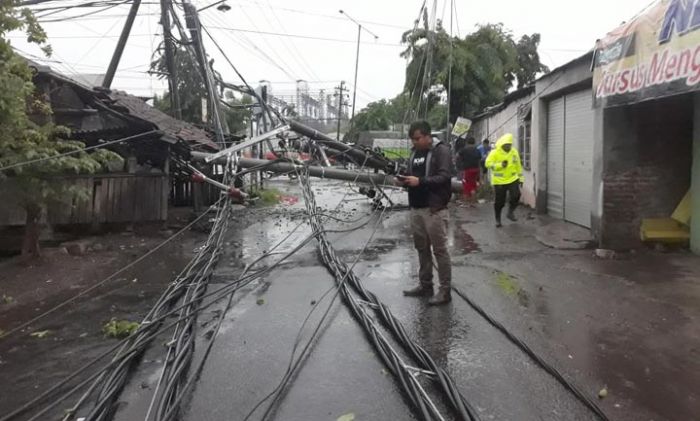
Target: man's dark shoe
pixel 511 216
pixel 419 291
pixel 442 297
pixel 498 223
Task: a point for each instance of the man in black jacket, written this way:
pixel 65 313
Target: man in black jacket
pixel 429 191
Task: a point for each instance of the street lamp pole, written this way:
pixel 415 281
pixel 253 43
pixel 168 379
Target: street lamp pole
pixel 357 60
pixel 357 64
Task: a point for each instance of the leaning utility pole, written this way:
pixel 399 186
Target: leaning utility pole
pixel 169 47
pixel 339 94
pixel 123 38
pixel 195 27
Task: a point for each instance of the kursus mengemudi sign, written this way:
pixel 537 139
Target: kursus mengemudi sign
pixel 655 55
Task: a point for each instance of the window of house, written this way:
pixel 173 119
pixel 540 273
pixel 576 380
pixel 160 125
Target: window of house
pixel 524 143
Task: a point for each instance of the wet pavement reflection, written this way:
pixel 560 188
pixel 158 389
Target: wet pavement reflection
pixel 586 317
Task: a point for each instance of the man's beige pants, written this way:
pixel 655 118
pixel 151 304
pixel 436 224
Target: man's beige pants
pixel 430 231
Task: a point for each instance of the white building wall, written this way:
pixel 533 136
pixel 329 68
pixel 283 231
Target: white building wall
pixel 505 121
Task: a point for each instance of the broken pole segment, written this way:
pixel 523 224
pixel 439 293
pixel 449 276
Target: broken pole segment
pixel 315 171
pixel 359 156
pixel 246 144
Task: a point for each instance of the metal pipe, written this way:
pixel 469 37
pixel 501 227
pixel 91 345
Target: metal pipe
pixel 316 171
pixel 123 38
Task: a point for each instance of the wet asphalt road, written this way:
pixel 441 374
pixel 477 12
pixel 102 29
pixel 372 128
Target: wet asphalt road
pixel 342 373
pixel 536 292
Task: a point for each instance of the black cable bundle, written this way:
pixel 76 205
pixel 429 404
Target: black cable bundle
pixel 407 381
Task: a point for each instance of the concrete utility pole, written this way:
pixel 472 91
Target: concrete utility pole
pixel 427 74
pixel 169 46
pixel 123 38
pixel 193 24
pixel 357 59
pixel 339 94
pixel 359 177
pixel 448 126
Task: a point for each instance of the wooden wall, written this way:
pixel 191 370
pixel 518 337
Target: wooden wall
pixel 111 198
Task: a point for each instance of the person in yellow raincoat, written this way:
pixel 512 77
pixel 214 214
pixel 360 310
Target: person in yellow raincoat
pixel 506 176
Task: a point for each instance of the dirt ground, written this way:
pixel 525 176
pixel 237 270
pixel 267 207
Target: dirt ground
pixel 30 364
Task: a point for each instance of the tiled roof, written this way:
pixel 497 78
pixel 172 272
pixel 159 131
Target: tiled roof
pixel 134 107
pixel 179 129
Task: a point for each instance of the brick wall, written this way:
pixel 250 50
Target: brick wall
pixel 647 166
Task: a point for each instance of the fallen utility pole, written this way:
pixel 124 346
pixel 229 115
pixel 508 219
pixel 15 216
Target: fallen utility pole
pixel 358 155
pixel 314 171
pixel 246 144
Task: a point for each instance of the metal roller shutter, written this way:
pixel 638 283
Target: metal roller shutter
pixel 555 158
pixel 578 158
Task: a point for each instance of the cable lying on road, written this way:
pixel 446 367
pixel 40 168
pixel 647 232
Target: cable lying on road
pixel 406 376
pixel 110 277
pixel 295 364
pixel 192 285
pixel 153 331
pixel 585 400
pixel 64 389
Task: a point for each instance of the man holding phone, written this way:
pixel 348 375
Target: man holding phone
pixel 429 184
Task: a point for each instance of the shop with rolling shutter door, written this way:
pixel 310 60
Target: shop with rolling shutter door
pixel 570 143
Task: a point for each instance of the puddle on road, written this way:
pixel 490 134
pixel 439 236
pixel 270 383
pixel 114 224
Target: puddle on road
pixel 391 273
pixel 463 241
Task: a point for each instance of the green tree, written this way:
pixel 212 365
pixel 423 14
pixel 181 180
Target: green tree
pixel 529 65
pixel 237 117
pixel 437 115
pixel 380 115
pixel 23 139
pixel 190 86
pixel 375 116
pixel 399 108
pixel 485 65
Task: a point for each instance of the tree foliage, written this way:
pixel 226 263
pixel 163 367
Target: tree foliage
pixel 237 118
pixel 529 65
pixel 379 115
pixel 24 139
pixel 485 65
pixel 190 85
pixel 191 89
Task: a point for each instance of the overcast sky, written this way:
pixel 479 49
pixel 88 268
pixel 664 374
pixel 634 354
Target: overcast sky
pixel 84 45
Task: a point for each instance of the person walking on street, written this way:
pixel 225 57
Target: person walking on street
pixel 506 176
pixel 429 186
pixel 484 149
pixel 470 158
